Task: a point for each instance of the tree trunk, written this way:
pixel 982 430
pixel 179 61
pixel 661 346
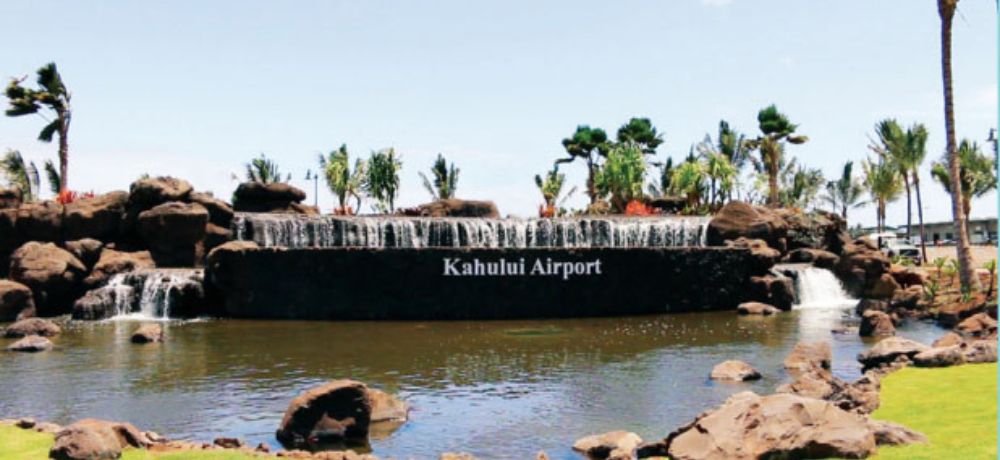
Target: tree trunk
pixel 920 216
pixel 909 206
pixel 64 118
pixel 946 10
pixel 772 178
pixel 591 187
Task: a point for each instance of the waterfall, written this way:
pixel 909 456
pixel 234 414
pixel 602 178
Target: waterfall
pixel 818 288
pixel 297 231
pixel 150 294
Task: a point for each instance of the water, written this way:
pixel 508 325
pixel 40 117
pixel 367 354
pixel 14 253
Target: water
pixel 819 288
pixel 498 389
pixel 150 294
pixel 295 231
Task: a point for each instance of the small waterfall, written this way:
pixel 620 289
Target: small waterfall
pixel 296 231
pixel 819 288
pixel 151 294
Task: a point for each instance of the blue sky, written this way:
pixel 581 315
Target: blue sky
pixel 195 89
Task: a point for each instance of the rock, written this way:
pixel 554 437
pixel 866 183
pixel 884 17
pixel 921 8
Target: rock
pixel 871 305
pixel 950 314
pixel 764 256
pixel 669 204
pixel 978 325
pixel 305 209
pixel 16 301
pixel 748 426
pixel 32 326
pixel 216 236
pixel 148 333
pixel 223 256
pixel 907 276
pixel 807 356
pixel 219 212
pixel 31 343
pixel 40 221
pixel 817 257
pixel 737 219
pixel 228 443
pixel 113 262
pixel 906 299
pixel 891 434
pixel 53 274
pixel 614 444
pixel 9 239
pixel 271 197
pixel 756 308
pixel 172 231
pixel 459 208
pixel 96 304
pixel 940 357
pixel 87 250
pixel 948 340
pixel 734 371
pixel 981 351
pixel 812 230
pixel 773 290
pixel 336 410
pixel 9 198
pixel 90 439
pixel 99 217
pixel 876 323
pixel 152 191
pixel 457 456
pixel 883 287
pixel 861 266
pixel 387 408
pixel 888 350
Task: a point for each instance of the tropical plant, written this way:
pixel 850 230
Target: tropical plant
pixel 52 177
pixel 798 185
pixel 883 185
pixel 733 146
pixel 688 180
pixel 343 181
pixel 551 188
pixel 445 179
pixel 946 11
pixel 776 130
pixel 977 175
pixel 721 176
pixel 662 188
pixel 641 132
pixel 382 179
pixel 53 95
pixel 264 171
pixel 21 176
pixel 845 192
pixel 623 175
pixel 587 144
pixel 939 264
pixel 906 149
pixel 931 290
pixel 991 267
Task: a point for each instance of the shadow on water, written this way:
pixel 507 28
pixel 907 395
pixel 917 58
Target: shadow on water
pixel 497 389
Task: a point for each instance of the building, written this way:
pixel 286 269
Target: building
pixel 981 231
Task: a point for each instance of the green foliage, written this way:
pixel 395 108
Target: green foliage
pixel 776 130
pixel 991 267
pixel 883 184
pixel 623 175
pixel 721 175
pixel 51 94
pixel 382 179
pixel 977 172
pixel 52 177
pixel 641 132
pixel 20 175
pixel 688 179
pixel 265 171
pixel 343 181
pixel 931 290
pixel 799 185
pixel 587 144
pixel 445 179
pixel 845 192
pixel 551 185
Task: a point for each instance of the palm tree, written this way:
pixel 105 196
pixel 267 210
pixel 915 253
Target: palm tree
pixel 623 175
pixel 915 152
pixel 775 130
pixel 640 131
pixel 662 189
pixel 587 144
pixel 341 179
pixel 946 10
pixel 844 192
pixel 730 144
pixel 720 171
pixel 551 187
pixel 799 185
pixel 977 175
pixel 53 95
pixel 893 146
pixel 882 182
pixel 382 179
pixel 264 171
pixel 688 179
pixel 21 176
pixel 445 179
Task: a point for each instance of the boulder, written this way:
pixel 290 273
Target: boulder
pixel 457 456
pixel 773 290
pixel 906 299
pixel 610 445
pixel 270 197
pixel 882 288
pixel 756 308
pixel 10 198
pixel 173 230
pixel 891 434
pixel 907 276
pixel 812 230
pixel 96 304
pixel 737 219
pixel 940 357
pixel 336 410
pixel 90 439
pixel 216 236
pixel 31 344
pixel 871 305
pixel 148 192
pixel 816 257
pixel 748 426
pixel 219 212
pixel 734 371
pixel 16 301
pixel 99 217
pixel 41 221
pixel 889 350
pixel 948 340
pixel 148 333
pixel 53 274
pixel 228 443
pixel 9 239
pixel 32 326
pixel 952 313
pixel 861 266
pixel 87 250
pixel 809 355
pixel 876 324
pixel 764 256
pixel 113 262
pixel 459 208
pixel 978 325
pixel 981 351
pixel 387 407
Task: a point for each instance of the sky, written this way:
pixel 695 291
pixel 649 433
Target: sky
pixel 195 89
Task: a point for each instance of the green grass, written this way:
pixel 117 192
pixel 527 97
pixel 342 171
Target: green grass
pixel 955 407
pixel 18 444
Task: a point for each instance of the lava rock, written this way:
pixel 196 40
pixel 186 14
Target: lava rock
pixel 173 230
pixel 99 217
pixel 40 221
pixel 940 357
pixel 610 445
pixel 148 333
pixel 981 351
pixel 16 301
pixel 816 257
pixel 336 410
pixel 756 308
pixel 808 356
pixel 152 191
pixel 387 407
pixel 734 371
pixel 773 290
pixel 113 262
pixel 764 256
pixel 219 212
pixel 270 197
pixel 876 323
pixel 460 208
pixel 54 275
pixel 889 350
pixel 31 344
pixel 90 439
pixel 87 250
pixel 32 326
pixel 737 219
pixel 10 198
pixel 891 434
pixel 978 325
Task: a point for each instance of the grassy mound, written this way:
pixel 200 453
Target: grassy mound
pixel 955 407
pixel 18 444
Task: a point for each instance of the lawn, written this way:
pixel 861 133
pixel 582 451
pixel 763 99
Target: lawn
pixel 18 444
pixel 955 407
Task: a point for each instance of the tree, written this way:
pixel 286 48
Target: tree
pixel 20 175
pixel 623 175
pixel 445 179
pixel 382 179
pixel 53 95
pixel 844 192
pixel 892 146
pixel 977 175
pixel 799 185
pixel 913 157
pixel 721 176
pixel 52 177
pixel 775 130
pixel 666 171
pixel 343 181
pixel 265 171
pixel 587 144
pixel 551 188
pixel 882 182
pixel 688 179
pixel 946 10
pixel 733 147
pixel 641 132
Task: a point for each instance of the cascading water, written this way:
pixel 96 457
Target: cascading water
pixel 819 288
pixel 150 294
pixel 296 231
